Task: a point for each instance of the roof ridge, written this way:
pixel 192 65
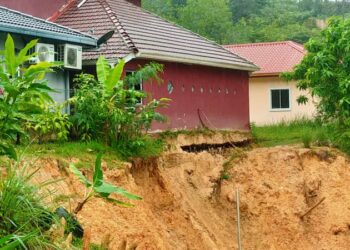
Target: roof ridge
pixel 47 21
pixel 118 24
pixel 61 10
pixel 294 45
pixel 256 44
pixel 297 46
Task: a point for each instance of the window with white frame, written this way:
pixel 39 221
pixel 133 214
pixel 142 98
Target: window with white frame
pixel 280 99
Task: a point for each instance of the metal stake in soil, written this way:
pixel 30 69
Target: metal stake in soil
pixel 238 221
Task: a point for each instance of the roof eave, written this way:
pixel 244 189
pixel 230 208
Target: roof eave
pixel 192 60
pixel 257 74
pixel 48 34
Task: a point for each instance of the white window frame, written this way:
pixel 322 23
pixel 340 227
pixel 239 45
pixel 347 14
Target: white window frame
pixel 280 109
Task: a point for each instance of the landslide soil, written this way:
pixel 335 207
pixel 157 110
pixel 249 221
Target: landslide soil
pixel 187 205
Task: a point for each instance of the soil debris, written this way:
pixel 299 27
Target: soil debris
pixel 187 204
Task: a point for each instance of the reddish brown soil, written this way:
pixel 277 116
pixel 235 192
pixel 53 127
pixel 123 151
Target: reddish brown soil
pixel 187 206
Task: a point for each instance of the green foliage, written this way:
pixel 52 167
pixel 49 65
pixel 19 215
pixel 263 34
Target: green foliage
pixel 246 8
pixel 276 22
pixel 52 124
pixel 12 241
pixel 144 147
pixel 110 108
pixel 225 176
pixel 98 187
pixel 303 131
pixel 201 16
pixel 340 137
pixel 243 21
pixel 291 132
pixel 307 139
pixel 22 211
pixel 209 18
pixel 325 71
pixel 24 92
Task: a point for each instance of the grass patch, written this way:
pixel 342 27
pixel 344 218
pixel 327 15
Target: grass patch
pixel 286 133
pixel 236 154
pixel 84 151
pixel 78 243
pixel 22 210
pixel 145 147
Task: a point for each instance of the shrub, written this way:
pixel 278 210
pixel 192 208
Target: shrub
pixel 144 147
pixel 109 108
pixel 306 139
pixel 24 92
pixel 22 211
pixel 50 125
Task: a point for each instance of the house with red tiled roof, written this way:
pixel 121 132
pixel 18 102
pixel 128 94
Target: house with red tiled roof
pixel 271 99
pixel 208 84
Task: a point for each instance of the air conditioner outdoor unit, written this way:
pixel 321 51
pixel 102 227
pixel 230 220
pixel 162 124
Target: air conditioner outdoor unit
pixel 70 55
pixel 45 53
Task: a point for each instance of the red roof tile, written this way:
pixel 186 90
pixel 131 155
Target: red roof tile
pixel 273 58
pixel 92 18
pixel 146 36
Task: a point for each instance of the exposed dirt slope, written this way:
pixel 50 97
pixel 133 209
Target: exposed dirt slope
pixel 280 184
pixel 187 206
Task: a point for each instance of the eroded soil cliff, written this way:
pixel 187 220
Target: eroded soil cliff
pixel 187 204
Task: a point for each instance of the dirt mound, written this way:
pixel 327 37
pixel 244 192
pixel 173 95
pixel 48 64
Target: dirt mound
pixel 188 205
pixel 279 185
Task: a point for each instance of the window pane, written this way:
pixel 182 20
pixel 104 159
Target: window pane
pixel 138 86
pixel 275 99
pixel 285 98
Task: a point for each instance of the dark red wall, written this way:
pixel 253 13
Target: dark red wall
pixel 39 8
pixel 228 109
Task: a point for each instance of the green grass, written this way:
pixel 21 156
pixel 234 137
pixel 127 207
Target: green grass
pixel 286 133
pixel 144 147
pixel 85 152
pixel 22 210
pixel 78 243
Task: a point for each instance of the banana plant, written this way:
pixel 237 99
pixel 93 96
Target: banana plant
pixel 99 188
pixel 23 92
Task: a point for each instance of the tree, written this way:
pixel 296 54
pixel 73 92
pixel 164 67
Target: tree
pixel 209 18
pixel 246 8
pixel 277 21
pixel 325 71
pixel 163 8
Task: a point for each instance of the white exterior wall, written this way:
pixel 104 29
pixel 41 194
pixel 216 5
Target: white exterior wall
pixel 56 80
pixel 260 101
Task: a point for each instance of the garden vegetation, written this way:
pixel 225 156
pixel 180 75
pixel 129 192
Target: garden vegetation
pixel 108 110
pixel 324 72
